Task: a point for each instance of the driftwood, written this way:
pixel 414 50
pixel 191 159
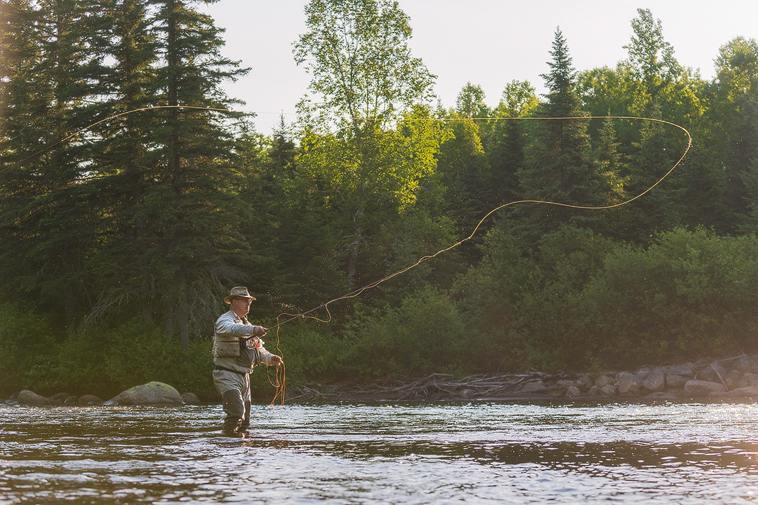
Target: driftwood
pixel 436 386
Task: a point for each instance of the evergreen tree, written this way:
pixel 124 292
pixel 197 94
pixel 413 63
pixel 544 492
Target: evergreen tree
pixel 193 207
pixel 558 165
pixel 54 69
pixel 506 143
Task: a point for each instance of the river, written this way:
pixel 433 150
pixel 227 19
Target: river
pixel 513 453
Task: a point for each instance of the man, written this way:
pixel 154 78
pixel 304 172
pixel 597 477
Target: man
pixel 237 349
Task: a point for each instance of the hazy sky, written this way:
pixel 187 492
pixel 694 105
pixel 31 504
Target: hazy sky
pixel 485 42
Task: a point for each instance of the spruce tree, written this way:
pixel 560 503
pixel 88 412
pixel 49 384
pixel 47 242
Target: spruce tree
pixel 193 209
pixel 52 86
pixel 558 166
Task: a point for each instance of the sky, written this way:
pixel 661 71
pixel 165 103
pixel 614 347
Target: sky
pixel 485 42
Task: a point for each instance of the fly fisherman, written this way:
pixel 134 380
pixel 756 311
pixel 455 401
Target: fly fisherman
pixel 237 349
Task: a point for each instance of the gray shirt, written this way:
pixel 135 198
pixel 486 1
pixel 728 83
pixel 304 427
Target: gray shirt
pixel 252 351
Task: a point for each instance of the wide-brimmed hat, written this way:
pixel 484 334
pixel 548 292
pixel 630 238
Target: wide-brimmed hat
pixel 238 292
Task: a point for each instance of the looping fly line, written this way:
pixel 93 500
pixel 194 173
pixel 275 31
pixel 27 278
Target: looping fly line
pixel 279 383
pixel 374 284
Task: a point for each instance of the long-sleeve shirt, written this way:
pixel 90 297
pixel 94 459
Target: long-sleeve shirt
pixel 230 326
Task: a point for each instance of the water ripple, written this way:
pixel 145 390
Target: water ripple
pixel 341 453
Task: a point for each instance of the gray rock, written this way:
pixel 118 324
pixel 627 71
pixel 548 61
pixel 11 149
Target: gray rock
pixel 572 391
pixel 747 364
pixel 609 390
pixel 681 370
pixel 702 388
pixel 714 372
pixel 565 383
pixel 747 380
pixel 594 390
pixel 642 372
pixel 533 386
pixel 90 400
pixel 192 399
pixel 585 382
pixel 676 381
pixel 629 384
pixel 654 382
pixel 732 378
pixel 604 380
pixel 27 397
pixel 152 393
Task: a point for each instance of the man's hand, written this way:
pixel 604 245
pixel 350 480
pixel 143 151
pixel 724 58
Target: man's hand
pixel 259 331
pixel 276 360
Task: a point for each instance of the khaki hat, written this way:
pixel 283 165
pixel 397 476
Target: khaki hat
pixel 238 292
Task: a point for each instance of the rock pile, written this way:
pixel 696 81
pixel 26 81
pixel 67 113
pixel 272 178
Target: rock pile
pixel 733 377
pixel 152 393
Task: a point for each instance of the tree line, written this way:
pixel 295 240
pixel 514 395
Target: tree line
pixel 132 198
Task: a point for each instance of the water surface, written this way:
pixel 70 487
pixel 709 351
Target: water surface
pixel 345 453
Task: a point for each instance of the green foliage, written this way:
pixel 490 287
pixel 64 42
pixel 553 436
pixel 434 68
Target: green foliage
pixel 424 335
pixel 690 294
pixel 105 361
pixel 138 227
pixel 28 343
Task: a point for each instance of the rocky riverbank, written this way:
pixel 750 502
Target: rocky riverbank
pixel 732 377
pixel 152 393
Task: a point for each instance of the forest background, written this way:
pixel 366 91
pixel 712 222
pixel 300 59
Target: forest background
pixel 132 199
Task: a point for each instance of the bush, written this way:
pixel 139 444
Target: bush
pixel 690 294
pixel 28 342
pixel 422 336
pixel 105 361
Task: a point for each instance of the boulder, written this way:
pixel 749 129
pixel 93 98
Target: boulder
pixel 714 372
pixel 609 390
pixel 89 400
pixel 604 380
pixel 152 393
pixel 584 382
pixel 702 388
pixel 676 381
pixel 682 370
pixel 27 397
pixel 594 391
pixel 642 372
pixel 192 399
pixel 654 382
pixel 572 391
pixel 629 384
pixel 747 364
pixel 747 380
pixel 533 386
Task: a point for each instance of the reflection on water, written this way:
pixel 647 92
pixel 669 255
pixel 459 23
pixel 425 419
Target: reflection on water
pixel 498 453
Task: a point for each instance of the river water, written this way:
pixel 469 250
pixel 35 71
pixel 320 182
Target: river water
pixel 513 453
